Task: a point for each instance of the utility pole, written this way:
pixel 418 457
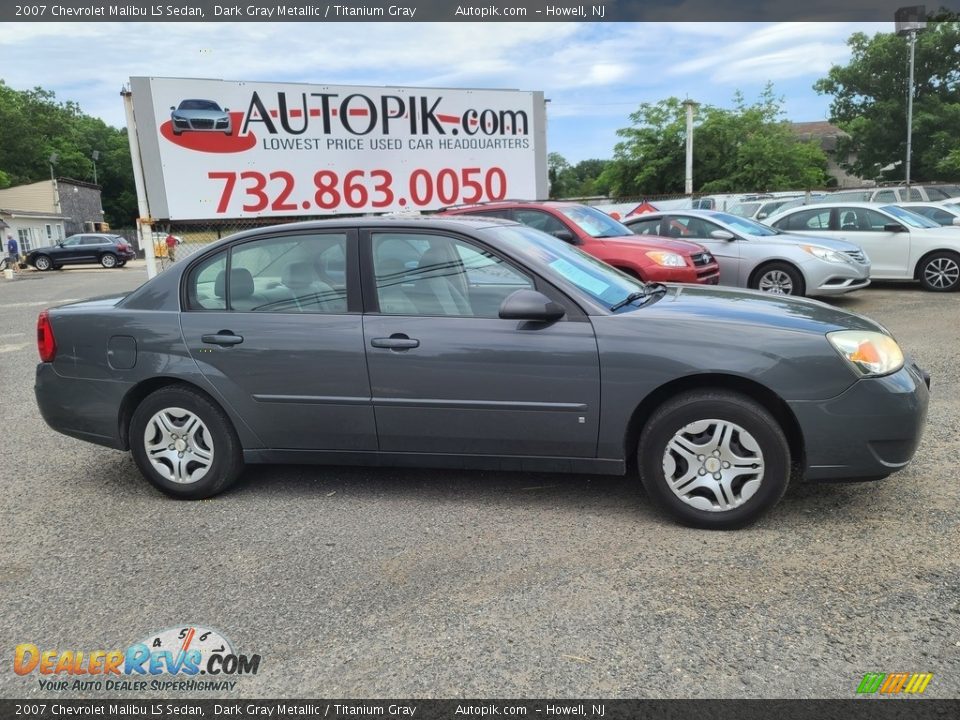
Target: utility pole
pixel 689 106
pixel 909 21
pixel 95 155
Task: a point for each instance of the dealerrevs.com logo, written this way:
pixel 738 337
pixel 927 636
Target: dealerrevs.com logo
pixel 197 658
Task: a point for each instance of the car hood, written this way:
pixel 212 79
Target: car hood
pixel 722 306
pixel 654 242
pixel 45 248
pixel 792 239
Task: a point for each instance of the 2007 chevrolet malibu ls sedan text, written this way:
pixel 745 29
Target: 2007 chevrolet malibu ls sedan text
pixel 475 343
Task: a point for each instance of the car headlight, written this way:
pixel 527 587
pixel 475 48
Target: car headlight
pixel 870 353
pixel 666 259
pixel 825 253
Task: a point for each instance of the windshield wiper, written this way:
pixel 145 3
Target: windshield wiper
pixel 639 295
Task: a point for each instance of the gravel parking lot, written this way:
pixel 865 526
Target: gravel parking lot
pixel 387 583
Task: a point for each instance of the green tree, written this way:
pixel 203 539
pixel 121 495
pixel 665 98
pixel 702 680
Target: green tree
pixel 748 148
pixel 575 181
pixel 870 103
pixel 36 125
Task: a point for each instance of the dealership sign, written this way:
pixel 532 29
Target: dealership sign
pixel 218 149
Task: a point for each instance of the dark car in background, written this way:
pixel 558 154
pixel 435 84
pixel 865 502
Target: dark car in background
pixel 200 115
pixel 475 343
pixel 650 259
pixel 87 248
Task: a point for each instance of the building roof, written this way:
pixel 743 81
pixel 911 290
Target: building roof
pixel 31 214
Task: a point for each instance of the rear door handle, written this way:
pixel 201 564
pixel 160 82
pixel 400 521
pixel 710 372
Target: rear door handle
pixel 397 341
pixel 224 338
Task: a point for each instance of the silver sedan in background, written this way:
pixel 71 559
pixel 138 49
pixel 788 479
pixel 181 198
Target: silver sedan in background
pixel 764 258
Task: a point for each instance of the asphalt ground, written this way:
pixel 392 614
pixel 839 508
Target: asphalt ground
pixel 401 583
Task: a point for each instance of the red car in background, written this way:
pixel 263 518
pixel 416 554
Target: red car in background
pixel 651 259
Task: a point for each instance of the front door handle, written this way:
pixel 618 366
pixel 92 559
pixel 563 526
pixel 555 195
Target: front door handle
pixel 397 341
pixel 224 338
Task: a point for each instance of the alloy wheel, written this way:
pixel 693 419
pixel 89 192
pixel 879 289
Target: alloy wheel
pixel 942 273
pixel 776 282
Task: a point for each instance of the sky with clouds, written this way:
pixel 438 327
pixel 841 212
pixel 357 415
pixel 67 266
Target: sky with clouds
pixel 595 74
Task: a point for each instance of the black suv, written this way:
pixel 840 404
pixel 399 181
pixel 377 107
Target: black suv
pixel 107 250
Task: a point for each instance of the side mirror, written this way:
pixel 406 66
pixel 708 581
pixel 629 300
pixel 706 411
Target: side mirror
pixel 530 305
pixel 172 107
pixel 226 109
pixel 564 235
pixel 723 235
pixel 893 227
pixel 59 243
pixel 762 215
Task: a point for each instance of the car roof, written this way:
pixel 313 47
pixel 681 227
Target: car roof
pixel 495 204
pixel 466 222
pixel 839 203
pixel 678 211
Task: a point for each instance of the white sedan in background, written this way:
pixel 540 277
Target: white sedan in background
pixel 901 244
pixel 944 213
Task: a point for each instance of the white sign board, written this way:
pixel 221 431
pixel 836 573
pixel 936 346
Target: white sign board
pixel 217 149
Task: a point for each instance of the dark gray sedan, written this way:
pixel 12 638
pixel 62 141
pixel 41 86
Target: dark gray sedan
pixel 476 343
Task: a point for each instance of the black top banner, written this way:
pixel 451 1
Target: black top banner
pixel 476 709
pixel 447 11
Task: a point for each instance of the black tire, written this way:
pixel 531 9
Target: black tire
pixel 218 435
pixel 674 416
pixel 121 263
pixel 109 260
pixel 940 272
pixel 778 270
pixel 42 263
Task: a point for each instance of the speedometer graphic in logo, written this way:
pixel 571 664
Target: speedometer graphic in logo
pixel 189 639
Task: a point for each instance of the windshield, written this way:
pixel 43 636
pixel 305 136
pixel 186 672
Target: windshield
pixel 910 218
pixel 198 105
pixel 744 209
pixel 594 222
pixel 745 225
pixel 555 257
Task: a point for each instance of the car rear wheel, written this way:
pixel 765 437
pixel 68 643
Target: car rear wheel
pixel 940 272
pixel 108 260
pixel 778 279
pixel 42 262
pixel 714 459
pixel 184 444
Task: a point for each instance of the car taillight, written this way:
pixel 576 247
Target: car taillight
pixel 123 246
pixel 46 343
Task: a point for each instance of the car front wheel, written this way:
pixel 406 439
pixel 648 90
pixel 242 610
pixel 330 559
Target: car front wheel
pixel 714 459
pixel 778 279
pixel 42 262
pixel 940 272
pixel 184 444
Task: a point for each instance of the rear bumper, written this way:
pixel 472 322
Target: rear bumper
pixel 867 432
pixel 81 408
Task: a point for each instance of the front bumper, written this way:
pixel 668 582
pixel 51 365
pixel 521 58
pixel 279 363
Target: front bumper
pixel 835 279
pixel 867 432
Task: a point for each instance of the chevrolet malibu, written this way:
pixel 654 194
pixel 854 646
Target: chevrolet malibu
pixel 475 343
